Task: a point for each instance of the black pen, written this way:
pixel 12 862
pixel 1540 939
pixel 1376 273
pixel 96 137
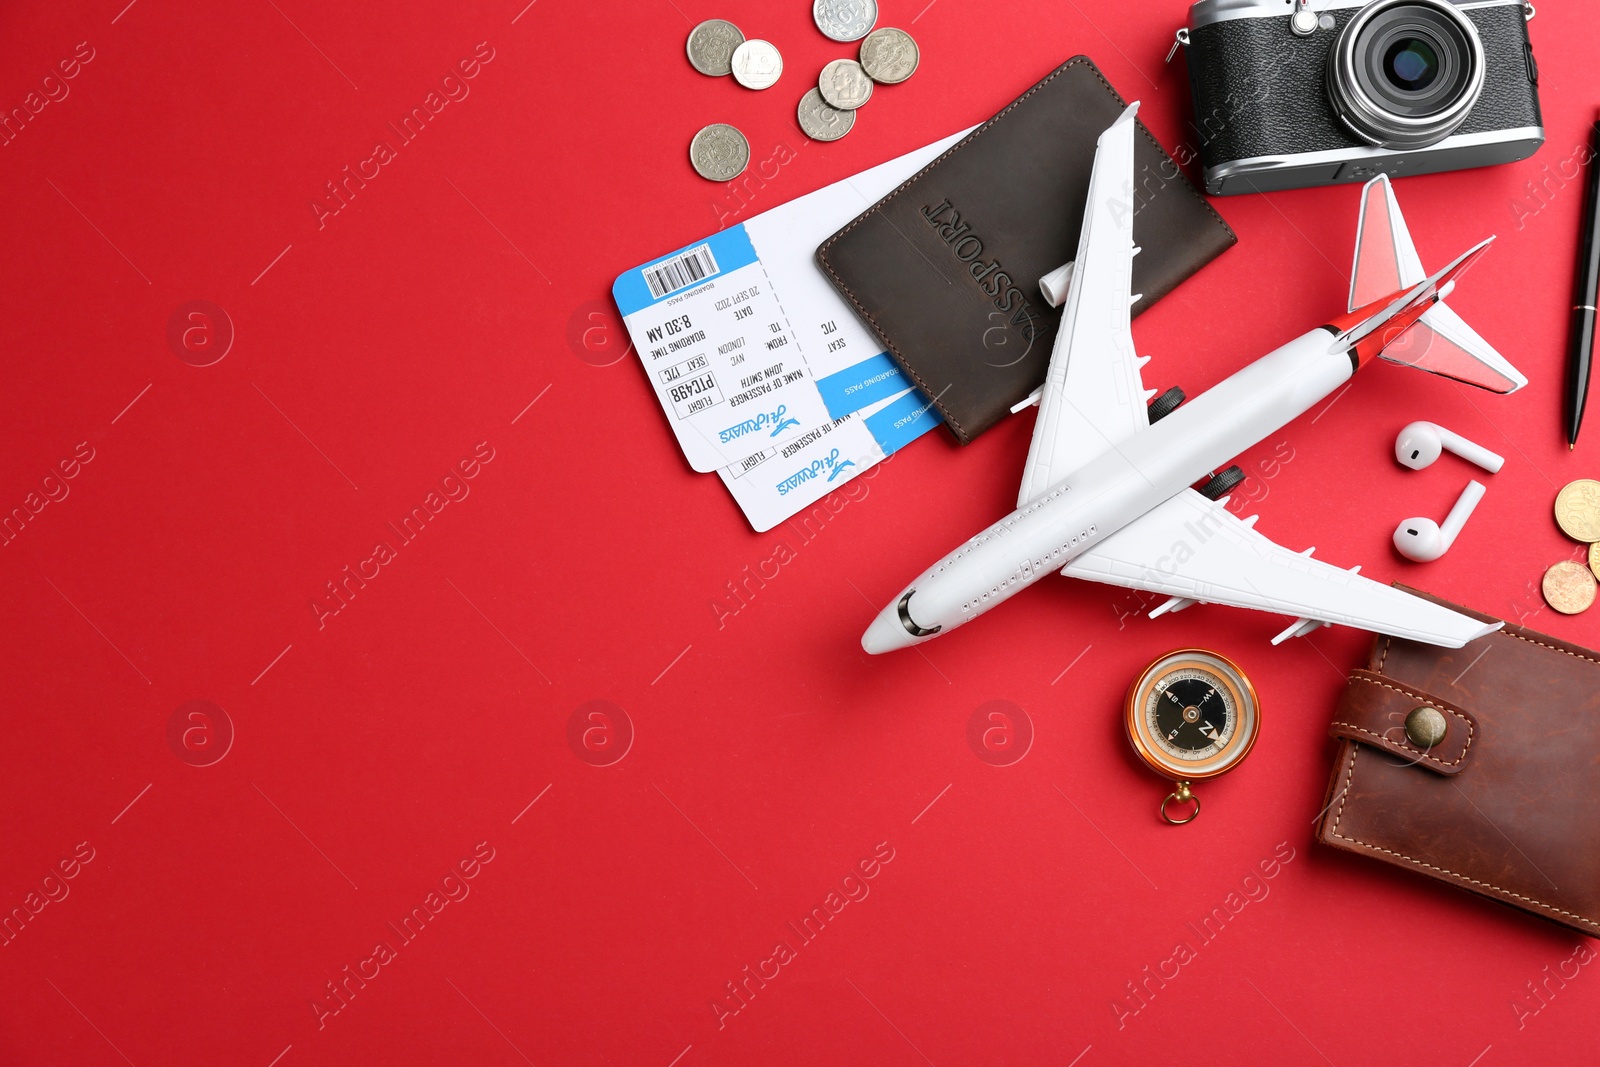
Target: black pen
pixel 1583 311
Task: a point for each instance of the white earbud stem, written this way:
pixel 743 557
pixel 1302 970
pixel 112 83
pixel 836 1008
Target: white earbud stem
pixel 1420 443
pixel 1424 540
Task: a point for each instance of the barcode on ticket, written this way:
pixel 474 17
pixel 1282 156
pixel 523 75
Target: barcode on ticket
pixel 680 272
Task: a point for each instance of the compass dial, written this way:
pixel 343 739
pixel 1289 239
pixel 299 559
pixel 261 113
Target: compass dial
pixel 1192 714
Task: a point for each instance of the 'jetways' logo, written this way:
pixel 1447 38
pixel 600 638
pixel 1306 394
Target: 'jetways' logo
pixel 828 467
pixel 779 420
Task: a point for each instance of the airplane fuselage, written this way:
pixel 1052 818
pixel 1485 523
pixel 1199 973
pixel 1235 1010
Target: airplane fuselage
pixel 1113 489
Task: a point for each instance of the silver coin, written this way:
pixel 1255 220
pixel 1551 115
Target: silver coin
pixel 822 122
pixel 711 46
pixel 845 85
pixel 844 20
pixel 756 65
pixel 719 152
pixel 889 56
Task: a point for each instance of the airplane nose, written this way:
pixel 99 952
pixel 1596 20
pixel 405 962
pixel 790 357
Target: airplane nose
pixel 885 634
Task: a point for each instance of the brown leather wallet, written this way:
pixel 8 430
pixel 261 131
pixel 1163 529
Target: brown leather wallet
pixel 1477 766
pixel 945 270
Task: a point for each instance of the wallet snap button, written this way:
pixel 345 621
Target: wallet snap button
pixel 1426 726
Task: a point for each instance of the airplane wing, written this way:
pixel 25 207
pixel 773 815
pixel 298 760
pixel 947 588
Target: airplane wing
pixel 1093 398
pixel 1191 547
pixel 1441 343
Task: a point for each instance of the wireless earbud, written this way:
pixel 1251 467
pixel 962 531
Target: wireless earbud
pixel 1424 540
pixel 1420 443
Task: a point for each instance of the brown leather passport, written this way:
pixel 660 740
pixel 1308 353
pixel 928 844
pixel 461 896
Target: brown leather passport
pixel 1506 803
pixel 946 269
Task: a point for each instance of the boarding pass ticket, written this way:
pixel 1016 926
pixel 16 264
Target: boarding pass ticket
pixel 745 343
pixel 785 479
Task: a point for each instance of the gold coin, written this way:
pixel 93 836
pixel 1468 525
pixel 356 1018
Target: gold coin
pixel 1578 510
pixel 1594 559
pixel 1569 587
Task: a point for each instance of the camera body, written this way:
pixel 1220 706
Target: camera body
pixel 1295 93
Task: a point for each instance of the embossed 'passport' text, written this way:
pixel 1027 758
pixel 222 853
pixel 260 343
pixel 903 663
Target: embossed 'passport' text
pixel 991 277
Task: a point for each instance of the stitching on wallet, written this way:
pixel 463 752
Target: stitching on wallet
pixel 1344 791
pixel 1403 691
pixel 1553 648
pixel 973 136
pixel 1474 881
pixel 1355 750
pixel 1386 742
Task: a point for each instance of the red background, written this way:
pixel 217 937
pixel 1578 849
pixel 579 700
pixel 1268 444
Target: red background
pixel 373 753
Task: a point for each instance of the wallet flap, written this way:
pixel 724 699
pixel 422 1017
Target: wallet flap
pixel 1383 713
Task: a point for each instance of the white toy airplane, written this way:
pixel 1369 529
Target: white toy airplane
pixel 1106 493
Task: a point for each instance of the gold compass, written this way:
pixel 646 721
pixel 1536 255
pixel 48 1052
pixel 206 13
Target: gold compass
pixel 1191 714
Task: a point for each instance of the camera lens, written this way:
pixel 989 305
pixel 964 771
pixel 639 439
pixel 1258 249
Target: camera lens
pixel 1411 63
pixel 1405 73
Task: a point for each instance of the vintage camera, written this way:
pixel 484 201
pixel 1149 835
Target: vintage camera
pixel 1294 93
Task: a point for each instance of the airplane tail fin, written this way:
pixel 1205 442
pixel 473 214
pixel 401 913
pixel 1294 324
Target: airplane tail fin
pixel 1439 341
